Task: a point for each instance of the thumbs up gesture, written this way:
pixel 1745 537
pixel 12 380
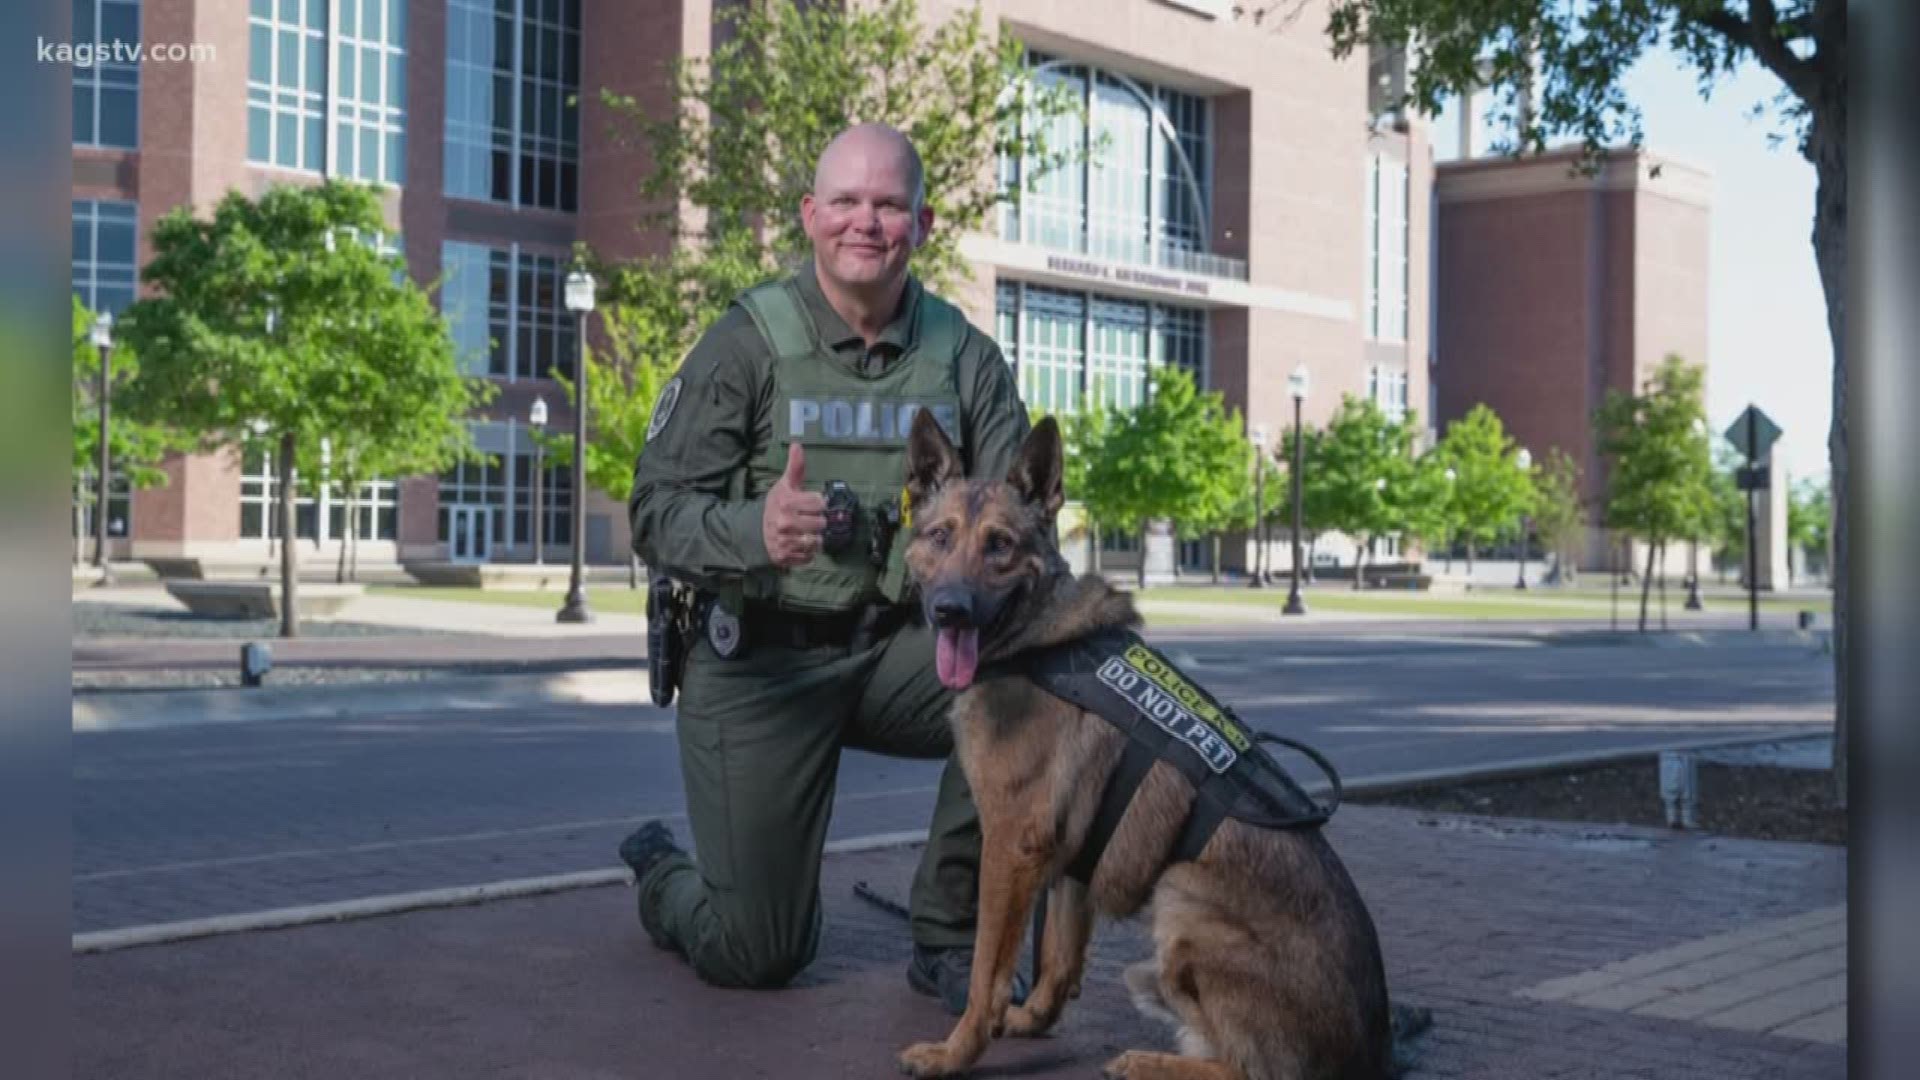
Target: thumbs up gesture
pixel 793 518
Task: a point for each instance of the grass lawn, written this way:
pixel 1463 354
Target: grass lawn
pixel 609 598
pixel 1583 603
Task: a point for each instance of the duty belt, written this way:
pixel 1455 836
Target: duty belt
pixel 769 626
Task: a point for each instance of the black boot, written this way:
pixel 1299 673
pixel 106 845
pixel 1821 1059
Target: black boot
pixel 946 973
pixel 643 850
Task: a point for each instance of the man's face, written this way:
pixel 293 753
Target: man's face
pixel 861 216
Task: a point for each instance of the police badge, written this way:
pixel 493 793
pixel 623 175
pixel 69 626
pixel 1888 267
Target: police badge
pixel 723 631
pixel 663 408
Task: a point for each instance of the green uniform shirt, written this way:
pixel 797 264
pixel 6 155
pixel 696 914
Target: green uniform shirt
pixel 683 522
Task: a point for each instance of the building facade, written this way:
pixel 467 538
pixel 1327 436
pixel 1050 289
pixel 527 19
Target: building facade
pixel 1557 286
pixel 1256 208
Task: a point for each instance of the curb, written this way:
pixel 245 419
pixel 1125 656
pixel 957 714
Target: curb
pixel 133 937
pixel 142 709
pixel 105 941
pixel 1393 783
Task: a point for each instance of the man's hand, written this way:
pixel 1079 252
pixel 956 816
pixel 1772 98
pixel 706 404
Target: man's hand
pixel 794 518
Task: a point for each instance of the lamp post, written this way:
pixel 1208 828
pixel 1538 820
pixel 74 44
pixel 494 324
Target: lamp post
pixel 1693 544
pixel 1297 386
pixel 1524 459
pixel 538 420
pixel 579 295
pixel 102 335
pixel 1257 579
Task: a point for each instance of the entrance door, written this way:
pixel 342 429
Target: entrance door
pixel 470 533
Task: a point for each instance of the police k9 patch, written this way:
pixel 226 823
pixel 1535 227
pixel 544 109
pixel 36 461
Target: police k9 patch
pixel 663 407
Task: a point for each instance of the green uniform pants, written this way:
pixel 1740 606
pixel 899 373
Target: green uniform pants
pixel 760 741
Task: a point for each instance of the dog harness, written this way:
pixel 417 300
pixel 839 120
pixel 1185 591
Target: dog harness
pixel 1167 717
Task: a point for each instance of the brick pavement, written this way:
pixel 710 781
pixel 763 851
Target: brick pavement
pixel 1473 913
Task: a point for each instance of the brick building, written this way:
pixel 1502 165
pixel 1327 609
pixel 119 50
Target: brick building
pixel 1257 209
pixel 1554 288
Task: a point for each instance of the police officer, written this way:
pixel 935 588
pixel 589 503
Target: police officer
pixel 802 641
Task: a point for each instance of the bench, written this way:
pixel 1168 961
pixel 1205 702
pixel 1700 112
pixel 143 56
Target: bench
pixel 259 599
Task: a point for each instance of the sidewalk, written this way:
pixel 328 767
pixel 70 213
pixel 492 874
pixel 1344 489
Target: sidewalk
pixel 422 614
pixel 1511 932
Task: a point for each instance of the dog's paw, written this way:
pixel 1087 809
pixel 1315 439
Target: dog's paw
pixel 1121 1067
pixel 928 1059
pixel 1021 1022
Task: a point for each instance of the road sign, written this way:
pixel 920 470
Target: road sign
pixel 1754 478
pixel 1753 433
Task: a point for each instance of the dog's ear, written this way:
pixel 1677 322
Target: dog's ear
pixel 931 458
pixel 1036 471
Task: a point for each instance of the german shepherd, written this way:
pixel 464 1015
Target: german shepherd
pixel 1264 954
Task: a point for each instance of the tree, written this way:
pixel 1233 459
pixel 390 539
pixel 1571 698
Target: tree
pixel 651 313
pixel 1082 435
pixel 1660 485
pixel 136 444
pixel 282 316
pixel 1559 514
pixel 745 126
pixel 1428 510
pixel 1227 499
pixel 1575 56
pixel 1808 513
pixel 1365 471
pixel 1726 527
pixel 1490 491
pixel 1167 458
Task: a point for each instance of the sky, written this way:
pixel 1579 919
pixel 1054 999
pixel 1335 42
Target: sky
pixel 1767 328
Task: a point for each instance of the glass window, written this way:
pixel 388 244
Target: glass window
pixel 106 90
pixel 1143 198
pixel 119 506
pixel 1061 341
pixel 286 91
pixel 370 94
pixel 1387 239
pixel 556 497
pixel 513 76
pixel 507 310
pixel 104 244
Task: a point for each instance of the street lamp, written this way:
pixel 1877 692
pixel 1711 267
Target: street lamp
pixel 102 336
pixel 1693 543
pixel 1257 579
pixel 1297 387
pixel 579 295
pixel 539 421
pixel 1524 459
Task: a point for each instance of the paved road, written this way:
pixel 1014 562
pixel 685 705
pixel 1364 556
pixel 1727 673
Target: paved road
pixel 195 821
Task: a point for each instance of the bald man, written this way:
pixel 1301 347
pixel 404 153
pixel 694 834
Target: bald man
pixel 771 489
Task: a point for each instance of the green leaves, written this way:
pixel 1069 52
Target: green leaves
pixel 1361 476
pixel 284 312
pixel 747 124
pixel 138 437
pixel 1661 478
pixel 1489 491
pixel 1573 58
pixel 1178 455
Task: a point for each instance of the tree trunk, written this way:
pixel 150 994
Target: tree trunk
pixel 1646 586
pixel 633 570
pixel 1359 564
pixel 1826 146
pixel 1093 547
pixel 1215 561
pixel 1469 563
pixel 289 618
pixel 1142 561
pixel 340 563
pixel 1663 585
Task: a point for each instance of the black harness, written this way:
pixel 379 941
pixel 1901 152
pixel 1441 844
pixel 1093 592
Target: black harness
pixel 1166 717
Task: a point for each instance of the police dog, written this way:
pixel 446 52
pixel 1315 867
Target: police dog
pixel 1264 955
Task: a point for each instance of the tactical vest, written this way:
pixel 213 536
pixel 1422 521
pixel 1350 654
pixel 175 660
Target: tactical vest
pixel 1167 717
pixel 854 427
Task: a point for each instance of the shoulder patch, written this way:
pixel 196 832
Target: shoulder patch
pixel 663 407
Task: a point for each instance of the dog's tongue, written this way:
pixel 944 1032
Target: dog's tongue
pixel 956 653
